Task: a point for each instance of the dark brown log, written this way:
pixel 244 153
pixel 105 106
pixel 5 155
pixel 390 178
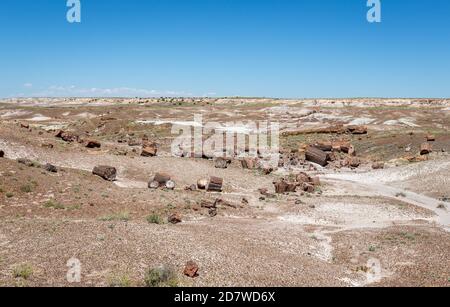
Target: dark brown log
pixel 357 129
pixel 426 148
pixel 317 156
pixel 325 146
pixel 149 150
pixel 282 187
pixel 215 184
pixel 161 178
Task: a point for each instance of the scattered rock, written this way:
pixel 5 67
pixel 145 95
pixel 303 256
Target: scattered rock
pixel 191 269
pixel 212 212
pixel 153 185
pixel 282 187
pixel 93 144
pixel 425 149
pixel 106 172
pixel 149 150
pixel 352 151
pixel 26 162
pixel 47 145
pixel 352 162
pixel 161 179
pixel 67 136
pixel 50 168
pixel 249 163
pixel 307 187
pixel 191 187
pixel 430 138
pixel 357 129
pixel 133 143
pixel 378 165
pixel 202 183
pixel 24 125
pixel 317 156
pixel 207 204
pixel 175 218
pixel 215 184
pixel 170 185
pixel 221 163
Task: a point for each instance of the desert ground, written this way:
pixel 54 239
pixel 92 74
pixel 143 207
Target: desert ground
pixel 375 213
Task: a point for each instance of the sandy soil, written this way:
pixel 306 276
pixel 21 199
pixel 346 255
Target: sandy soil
pixel 397 217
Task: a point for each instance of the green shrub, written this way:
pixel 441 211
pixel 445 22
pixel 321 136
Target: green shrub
pixel 161 277
pixel 155 219
pixel 23 271
pixel 121 216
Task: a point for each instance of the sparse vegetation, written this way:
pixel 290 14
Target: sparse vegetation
pixel 121 217
pixel 120 281
pixel 161 277
pixel 23 271
pixel 155 219
pixel 9 195
pixel 54 205
pixel 27 188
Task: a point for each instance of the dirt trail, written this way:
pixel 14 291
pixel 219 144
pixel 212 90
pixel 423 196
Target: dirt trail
pixel 379 189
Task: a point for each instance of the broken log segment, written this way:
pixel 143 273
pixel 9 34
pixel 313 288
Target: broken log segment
pixel 426 148
pixel 106 172
pixel 161 178
pixel 317 156
pixel 215 184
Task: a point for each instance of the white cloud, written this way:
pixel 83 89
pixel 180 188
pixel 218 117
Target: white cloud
pixel 28 85
pixel 74 91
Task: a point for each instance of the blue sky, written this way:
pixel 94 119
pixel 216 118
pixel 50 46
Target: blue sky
pixel 271 48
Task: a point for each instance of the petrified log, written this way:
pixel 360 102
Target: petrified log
pixel 357 129
pixel 317 156
pixel 93 144
pixel 325 146
pixel 149 150
pixel 215 184
pixel 426 148
pixel 161 178
pixel 67 136
pixel 431 138
pixel 282 187
pixel 221 163
pixel 378 165
pixel 106 172
pixel 175 218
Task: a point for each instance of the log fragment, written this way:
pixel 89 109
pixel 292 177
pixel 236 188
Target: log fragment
pixel 317 156
pixel 215 184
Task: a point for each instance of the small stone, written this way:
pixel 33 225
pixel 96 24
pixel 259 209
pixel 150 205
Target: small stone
pixel 153 185
pixel 93 144
pixel 106 172
pixel 50 168
pixel 202 183
pixel 175 218
pixel 212 212
pixel 170 185
pixel 191 269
